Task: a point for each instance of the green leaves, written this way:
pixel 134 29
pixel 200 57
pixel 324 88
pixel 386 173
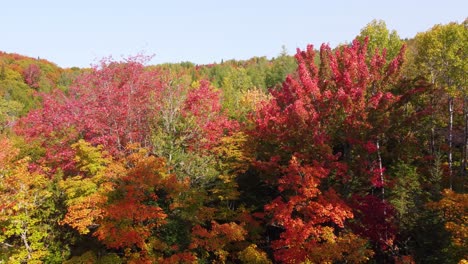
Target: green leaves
pixel 9 112
pixel 441 53
pixel 381 38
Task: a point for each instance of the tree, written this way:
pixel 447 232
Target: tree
pixel 321 132
pixel 118 104
pixel 453 207
pixel 186 125
pixel 9 112
pixel 281 66
pixel 138 206
pixel 86 193
pixel 215 241
pixel 381 38
pixel 440 55
pixel 32 75
pixel 234 83
pixel 23 197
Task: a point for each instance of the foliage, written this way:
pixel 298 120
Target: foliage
pixel 441 55
pixel 135 205
pixel 252 254
pixel 381 38
pixel 22 197
pixel 85 194
pixel 331 156
pixel 453 207
pixel 9 111
pixel 296 133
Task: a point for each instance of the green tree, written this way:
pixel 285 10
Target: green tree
pixel 9 112
pixel 440 54
pixel 234 83
pixel 380 37
pixel 282 65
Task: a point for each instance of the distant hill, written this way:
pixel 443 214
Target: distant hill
pixel 21 77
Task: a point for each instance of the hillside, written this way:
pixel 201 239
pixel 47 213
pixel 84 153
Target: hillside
pixel 349 154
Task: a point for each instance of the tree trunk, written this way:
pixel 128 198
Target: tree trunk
pixel 450 142
pixel 24 237
pixel 465 137
pixel 382 180
pixel 433 147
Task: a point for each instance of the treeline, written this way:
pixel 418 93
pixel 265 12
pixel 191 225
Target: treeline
pixel 353 154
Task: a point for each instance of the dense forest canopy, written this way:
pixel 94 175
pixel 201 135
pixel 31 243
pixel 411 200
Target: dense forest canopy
pixel 352 154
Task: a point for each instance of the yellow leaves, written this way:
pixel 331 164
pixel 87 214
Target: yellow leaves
pixel 233 158
pixel 348 248
pixel 252 254
pixel 328 235
pixel 22 197
pixel 90 159
pixel 233 152
pixel 224 193
pixel 252 99
pixel 86 194
pixel 439 56
pixel 76 188
pixel 195 84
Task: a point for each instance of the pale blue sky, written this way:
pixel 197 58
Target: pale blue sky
pixel 78 33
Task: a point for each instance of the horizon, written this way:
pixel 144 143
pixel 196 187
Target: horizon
pixel 202 32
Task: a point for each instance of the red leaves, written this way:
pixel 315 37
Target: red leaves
pixel 120 103
pixel 305 210
pixel 203 103
pixel 32 75
pixel 341 105
pixel 376 219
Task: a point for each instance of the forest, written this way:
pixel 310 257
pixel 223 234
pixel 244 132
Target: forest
pixel 351 154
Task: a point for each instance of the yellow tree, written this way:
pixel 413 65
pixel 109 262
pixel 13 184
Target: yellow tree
pixel 22 197
pixel 454 207
pixel 440 55
pixel 85 194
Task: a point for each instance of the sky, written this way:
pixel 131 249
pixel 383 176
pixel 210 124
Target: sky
pixel 80 33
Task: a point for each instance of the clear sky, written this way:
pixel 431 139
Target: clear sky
pixel 79 33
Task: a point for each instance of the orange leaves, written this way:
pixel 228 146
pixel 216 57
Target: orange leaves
pixel 20 190
pixel 303 210
pixel 81 216
pixel 138 206
pixel 454 207
pixel 216 239
pixel 8 152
